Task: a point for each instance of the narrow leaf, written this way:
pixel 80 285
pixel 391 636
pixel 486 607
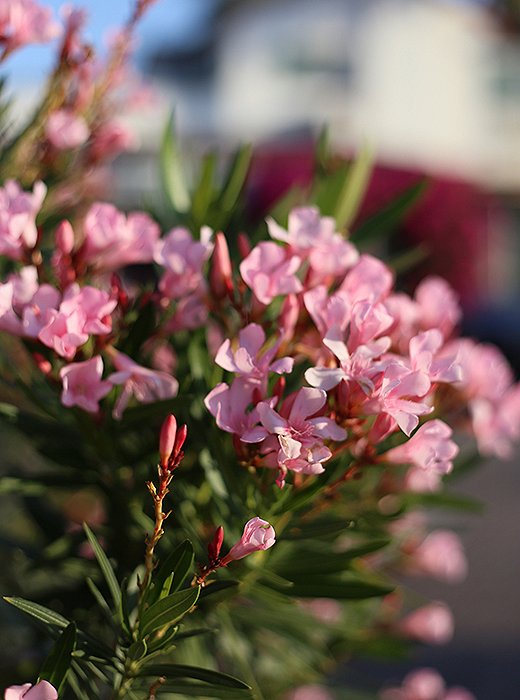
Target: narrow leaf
pixel 171 671
pixel 168 610
pixel 171 170
pixel 106 568
pixel 204 192
pixel 180 562
pixel 57 664
pixel 355 187
pixel 236 178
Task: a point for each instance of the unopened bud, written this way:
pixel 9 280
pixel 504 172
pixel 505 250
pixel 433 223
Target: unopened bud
pixel 180 439
pixel 220 276
pixel 167 439
pixel 65 238
pixel 43 364
pixel 215 545
pixel 244 245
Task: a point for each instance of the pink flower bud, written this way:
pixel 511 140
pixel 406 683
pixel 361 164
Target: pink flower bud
pixel 220 276
pixel 440 555
pixel 215 545
pixel 167 439
pixel 257 535
pixel 65 238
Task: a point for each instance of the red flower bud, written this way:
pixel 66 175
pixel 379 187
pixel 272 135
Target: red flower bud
pixel 167 439
pixel 215 545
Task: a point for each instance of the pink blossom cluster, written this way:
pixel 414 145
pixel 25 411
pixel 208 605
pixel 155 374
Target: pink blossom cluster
pixel 425 684
pixel 381 363
pixel 25 22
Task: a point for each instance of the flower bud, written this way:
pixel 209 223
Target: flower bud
pixel 180 439
pixel 215 545
pixel 167 439
pixel 258 535
pixel 65 237
pixel 220 276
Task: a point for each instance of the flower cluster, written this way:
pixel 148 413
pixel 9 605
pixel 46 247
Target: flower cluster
pixel 381 362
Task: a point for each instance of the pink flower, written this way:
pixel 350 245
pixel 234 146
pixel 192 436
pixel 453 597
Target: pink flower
pixel 432 624
pixel 191 312
pixel 183 259
pixel 270 271
pixel 41 691
pixel 328 312
pixel 248 360
pixel 18 211
pixel 64 333
pixel 358 366
pixel 424 349
pixel 109 139
pixel 145 384
pixel 314 237
pixel 82 384
pixel 299 437
pixel 65 130
pixel 228 405
pixel 486 374
pixel 258 535
pixel 96 304
pixel 497 426
pixel 309 692
pixel 369 280
pixel 439 555
pixel 25 22
pixel 430 448
pixel 425 684
pixel 438 305
pixel 396 397
pixel 113 240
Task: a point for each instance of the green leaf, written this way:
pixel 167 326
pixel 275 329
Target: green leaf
pixel 173 181
pixel 171 671
pixel 344 587
pixel 168 610
pixel 354 188
pixel 100 600
pixel 106 568
pixel 137 650
pixel 57 664
pixel 227 588
pixel 39 612
pixel 202 690
pixel 163 641
pixel 235 179
pixel 316 530
pixel 180 563
pixel 204 192
pixel 387 219
pixel 49 618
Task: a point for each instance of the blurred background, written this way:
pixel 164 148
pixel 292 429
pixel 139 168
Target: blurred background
pixel 433 86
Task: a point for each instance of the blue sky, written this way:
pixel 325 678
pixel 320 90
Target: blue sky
pixel 167 21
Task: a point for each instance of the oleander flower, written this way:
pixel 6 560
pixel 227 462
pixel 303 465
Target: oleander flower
pixel 41 691
pixel 258 535
pixel 82 384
